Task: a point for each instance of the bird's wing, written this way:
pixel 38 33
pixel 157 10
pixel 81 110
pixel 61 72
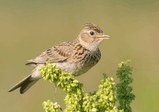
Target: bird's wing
pixel 58 53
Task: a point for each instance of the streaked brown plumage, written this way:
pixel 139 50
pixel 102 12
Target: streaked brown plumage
pixel 76 56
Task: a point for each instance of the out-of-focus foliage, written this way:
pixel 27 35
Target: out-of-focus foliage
pixel 66 82
pixel 124 90
pixel 101 101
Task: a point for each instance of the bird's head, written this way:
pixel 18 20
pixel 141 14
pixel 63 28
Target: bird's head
pixel 91 36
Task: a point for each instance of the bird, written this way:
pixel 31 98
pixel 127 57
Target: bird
pixel 76 56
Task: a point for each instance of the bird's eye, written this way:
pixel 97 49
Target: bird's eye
pixel 92 33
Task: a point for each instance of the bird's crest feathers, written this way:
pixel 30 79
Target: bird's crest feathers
pixel 93 27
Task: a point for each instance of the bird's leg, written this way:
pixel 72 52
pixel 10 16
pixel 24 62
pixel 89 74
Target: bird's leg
pixel 55 92
pixel 54 98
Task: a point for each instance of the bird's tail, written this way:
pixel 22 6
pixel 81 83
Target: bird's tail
pixel 24 84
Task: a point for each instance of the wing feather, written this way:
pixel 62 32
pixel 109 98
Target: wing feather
pixel 58 53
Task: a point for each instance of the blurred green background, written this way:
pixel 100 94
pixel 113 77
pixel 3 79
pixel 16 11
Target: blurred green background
pixel 28 27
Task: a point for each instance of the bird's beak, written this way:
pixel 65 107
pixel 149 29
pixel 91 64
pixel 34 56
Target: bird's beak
pixel 106 36
pixel 103 37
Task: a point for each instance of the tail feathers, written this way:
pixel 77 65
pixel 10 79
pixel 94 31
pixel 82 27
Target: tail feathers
pixel 24 84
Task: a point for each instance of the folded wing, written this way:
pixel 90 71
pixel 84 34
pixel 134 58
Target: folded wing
pixel 58 53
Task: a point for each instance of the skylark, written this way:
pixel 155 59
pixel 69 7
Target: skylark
pixel 76 56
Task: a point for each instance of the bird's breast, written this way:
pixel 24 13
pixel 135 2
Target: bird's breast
pixel 79 64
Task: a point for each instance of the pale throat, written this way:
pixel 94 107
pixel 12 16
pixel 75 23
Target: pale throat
pixel 90 46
